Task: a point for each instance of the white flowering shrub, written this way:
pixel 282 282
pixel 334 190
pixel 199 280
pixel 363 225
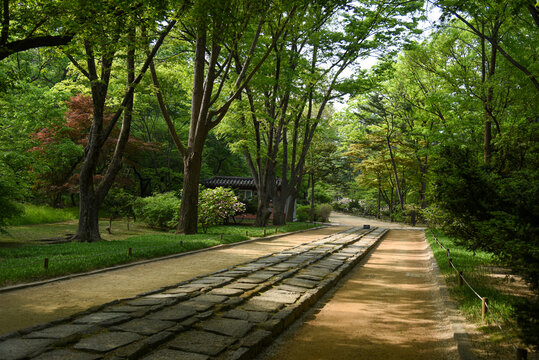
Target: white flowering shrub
pixel 215 206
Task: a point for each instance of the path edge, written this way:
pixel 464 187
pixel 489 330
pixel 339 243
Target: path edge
pixel 146 261
pixel 457 321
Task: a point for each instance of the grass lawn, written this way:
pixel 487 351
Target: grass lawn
pixel 22 258
pixel 487 277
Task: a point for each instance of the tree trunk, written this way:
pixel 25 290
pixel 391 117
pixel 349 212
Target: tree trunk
pixel 88 229
pixel 395 173
pixel 291 205
pixel 262 209
pixel 378 199
pixel 188 218
pixel 278 208
pixel 312 198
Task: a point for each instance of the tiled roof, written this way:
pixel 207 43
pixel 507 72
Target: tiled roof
pixel 234 182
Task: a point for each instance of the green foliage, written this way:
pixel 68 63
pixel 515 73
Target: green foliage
pixel 41 214
pixel 119 202
pixel 216 206
pixel 159 211
pixel 10 208
pixel 323 211
pixel 494 211
pixel 303 213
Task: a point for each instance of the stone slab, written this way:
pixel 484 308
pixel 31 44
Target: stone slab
pixel 124 308
pixel 168 354
pixel 199 306
pixel 201 342
pixel 207 298
pixel 17 348
pixel 144 301
pixel 107 341
pixel 230 327
pixel 100 317
pixel 174 313
pixel 59 331
pixel 144 326
pixel 309 284
pixel 258 304
pixel 256 338
pixel 243 286
pixel 226 291
pixel 176 296
pixel 251 280
pixel 291 288
pixel 63 354
pixel 264 275
pixel 251 316
pixel 212 280
pixel 280 296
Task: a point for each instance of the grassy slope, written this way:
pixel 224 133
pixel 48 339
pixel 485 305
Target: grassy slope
pixel 23 262
pixel 476 270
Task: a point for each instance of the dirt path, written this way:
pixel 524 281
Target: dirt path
pixel 387 308
pixel 35 305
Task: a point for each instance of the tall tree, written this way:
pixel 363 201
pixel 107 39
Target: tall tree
pixel 224 35
pixel 101 43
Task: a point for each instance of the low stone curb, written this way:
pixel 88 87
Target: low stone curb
pixel 141 262
pixel 464 344
pixel 229 314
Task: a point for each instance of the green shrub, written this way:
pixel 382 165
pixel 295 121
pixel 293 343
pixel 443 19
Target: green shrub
pixel 159 211
pixel 323 211
pixel 303 213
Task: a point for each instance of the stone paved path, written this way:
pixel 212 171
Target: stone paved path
pixel 229 314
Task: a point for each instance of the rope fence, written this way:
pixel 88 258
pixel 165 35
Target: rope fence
pixel 521 354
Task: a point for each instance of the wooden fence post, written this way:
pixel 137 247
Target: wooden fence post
pixel 460 278
pixel 450 261
pixel 484 303
pixel 46 263
pixel 130 252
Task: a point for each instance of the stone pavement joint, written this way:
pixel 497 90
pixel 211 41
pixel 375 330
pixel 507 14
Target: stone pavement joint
pixel 229 314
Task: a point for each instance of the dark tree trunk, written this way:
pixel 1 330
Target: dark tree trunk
pixel 88 229
pixel 188 218
pixel 312 198
pixel 278 209
pixel 91 197
pixel 378 199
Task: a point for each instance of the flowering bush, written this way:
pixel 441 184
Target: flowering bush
pixel 215 206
